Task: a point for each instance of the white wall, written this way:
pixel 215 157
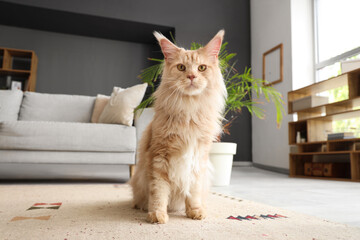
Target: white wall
pixel 274 22
pixel 270 26
pixel 302 42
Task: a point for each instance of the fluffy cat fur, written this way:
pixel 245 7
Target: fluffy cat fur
pixel 172 171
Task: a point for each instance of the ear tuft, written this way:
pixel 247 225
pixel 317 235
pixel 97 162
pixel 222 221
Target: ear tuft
pixel 158 35
pixel 221 34
pixel 168 48
pixel 214 46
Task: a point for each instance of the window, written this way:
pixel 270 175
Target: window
pixel 337 38
pixel 337 35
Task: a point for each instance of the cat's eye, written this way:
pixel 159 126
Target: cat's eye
pixel 181 67
pixel 202 68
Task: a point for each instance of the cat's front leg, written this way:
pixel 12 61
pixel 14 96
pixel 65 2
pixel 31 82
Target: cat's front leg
pixel 158 199
pixel 194 206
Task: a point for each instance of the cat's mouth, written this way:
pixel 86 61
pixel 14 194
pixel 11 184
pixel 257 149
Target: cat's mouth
pixel 191 86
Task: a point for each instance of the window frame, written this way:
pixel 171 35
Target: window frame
pixel 332 60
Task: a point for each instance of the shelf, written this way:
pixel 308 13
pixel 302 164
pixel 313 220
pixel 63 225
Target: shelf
pixel 311 112
pixel 18 69
pixel 345 140
pixel 334 116
pixel 322 86
pixel 325 178
pixel 20 53
pixel 324 153
pixel 351 79
pixel 1 57
pixel 339 115
pixel 346 166
pixel 307 143
pixel 339 158
pixel 338 146
pixel 330 108
pixel 14 72
pixel 329 141
pixel 294 127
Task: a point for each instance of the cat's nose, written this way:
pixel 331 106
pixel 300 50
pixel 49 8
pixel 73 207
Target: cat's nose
pixel 191 77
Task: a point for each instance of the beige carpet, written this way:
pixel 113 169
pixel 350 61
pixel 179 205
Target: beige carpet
pixel 102 211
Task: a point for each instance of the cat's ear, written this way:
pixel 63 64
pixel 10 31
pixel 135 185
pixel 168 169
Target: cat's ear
pixel 168 48
pixel 212 49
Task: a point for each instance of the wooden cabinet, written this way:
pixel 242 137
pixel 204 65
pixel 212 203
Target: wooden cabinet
pixel 315 122
pixel 18 66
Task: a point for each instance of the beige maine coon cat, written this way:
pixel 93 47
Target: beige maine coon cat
pixel 173 153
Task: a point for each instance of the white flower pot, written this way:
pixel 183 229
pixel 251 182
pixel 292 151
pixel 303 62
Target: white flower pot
pixel 221 157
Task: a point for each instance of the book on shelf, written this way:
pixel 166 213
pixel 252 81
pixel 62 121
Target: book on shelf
pixel 342 135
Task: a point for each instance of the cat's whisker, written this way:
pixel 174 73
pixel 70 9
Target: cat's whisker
pixel 174 101
pixel 172 93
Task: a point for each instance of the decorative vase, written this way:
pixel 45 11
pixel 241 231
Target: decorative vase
pixel 221 156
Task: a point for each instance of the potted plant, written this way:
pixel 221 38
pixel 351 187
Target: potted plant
pixel 243 90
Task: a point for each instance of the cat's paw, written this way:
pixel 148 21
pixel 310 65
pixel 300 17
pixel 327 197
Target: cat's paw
pixel 158 217
pixel 196 213
pixel 139 206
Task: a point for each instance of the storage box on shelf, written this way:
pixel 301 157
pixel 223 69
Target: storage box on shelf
pixel 319 157
pixel 20 66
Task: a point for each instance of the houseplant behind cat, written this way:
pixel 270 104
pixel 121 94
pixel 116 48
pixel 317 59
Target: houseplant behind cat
pixel 172 171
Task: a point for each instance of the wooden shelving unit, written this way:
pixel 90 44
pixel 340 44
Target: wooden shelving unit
pixel 18 65
pixel 315 122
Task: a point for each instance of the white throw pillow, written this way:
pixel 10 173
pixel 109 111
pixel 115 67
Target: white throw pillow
pixel 10 101
pixel 120 108
pixel 100 103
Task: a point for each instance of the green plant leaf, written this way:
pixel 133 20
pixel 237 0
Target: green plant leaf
pixel 244 91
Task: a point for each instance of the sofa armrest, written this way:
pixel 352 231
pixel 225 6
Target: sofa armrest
pixel 141 122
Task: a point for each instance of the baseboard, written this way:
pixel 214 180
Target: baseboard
pixel 271 168
pixel 242 164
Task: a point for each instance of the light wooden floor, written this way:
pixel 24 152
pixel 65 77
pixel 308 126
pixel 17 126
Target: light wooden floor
pixel 337 201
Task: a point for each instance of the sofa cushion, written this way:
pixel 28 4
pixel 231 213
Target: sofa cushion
pixel 100 103
pixel 56 107
pixel 122 103
pixel 66 136
pixel 10 101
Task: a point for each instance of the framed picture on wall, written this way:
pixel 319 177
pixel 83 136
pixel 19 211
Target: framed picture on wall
pixel 273 65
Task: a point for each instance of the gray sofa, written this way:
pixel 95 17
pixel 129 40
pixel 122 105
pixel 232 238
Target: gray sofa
pixel 46 136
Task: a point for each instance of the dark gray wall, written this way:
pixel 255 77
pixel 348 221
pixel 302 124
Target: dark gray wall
pixel 93 65
pixel 78 65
